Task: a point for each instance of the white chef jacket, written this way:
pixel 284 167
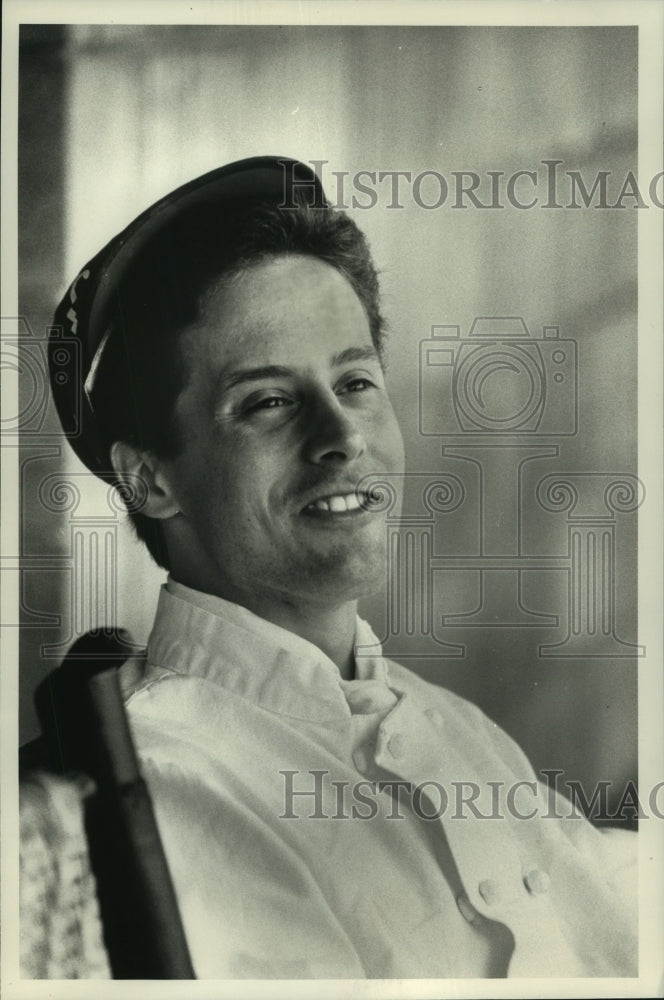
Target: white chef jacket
pixel 288 862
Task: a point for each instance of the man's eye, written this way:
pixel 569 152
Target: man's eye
pixel 359 385
pixel 266 403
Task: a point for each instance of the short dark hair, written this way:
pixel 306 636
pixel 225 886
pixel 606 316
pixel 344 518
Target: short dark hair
pixel 166 290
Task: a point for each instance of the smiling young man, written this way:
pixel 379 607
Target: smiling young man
pixel 284 413
pixel 233 386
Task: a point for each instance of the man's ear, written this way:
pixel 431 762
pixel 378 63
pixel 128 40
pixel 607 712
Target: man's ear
pixel 141 478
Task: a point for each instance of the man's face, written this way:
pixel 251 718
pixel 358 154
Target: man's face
pixel 284 414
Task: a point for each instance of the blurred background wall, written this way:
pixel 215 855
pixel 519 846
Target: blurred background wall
pixel 112 117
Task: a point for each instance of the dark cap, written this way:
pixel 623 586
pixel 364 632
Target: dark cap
pixel 81 325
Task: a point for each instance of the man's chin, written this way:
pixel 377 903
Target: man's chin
pixel 350 576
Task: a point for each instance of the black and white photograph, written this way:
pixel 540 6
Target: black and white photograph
pixel 332 499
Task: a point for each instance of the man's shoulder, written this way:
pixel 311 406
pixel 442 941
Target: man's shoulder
pixel 132 674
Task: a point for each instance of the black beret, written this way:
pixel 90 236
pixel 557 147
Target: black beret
pixel 81 327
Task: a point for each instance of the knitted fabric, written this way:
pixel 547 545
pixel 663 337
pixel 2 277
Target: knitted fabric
pixel 61 932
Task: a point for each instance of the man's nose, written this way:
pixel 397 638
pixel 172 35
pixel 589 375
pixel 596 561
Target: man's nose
pixel 333 434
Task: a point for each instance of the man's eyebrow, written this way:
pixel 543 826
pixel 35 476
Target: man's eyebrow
pixel 368 353
pixel 231 379
pixel 228 381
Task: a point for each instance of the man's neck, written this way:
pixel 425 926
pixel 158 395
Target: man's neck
pixel 333 631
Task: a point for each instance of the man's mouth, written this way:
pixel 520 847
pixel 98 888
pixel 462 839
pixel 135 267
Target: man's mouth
pixel 340 503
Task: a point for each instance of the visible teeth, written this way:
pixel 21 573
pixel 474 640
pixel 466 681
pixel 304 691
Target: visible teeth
pixel 338 504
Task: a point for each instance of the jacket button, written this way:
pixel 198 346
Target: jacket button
pixel 537 881
pixel 433 715
pixel 489 891
pixel 369 697
pixel 466 909
pixel 396 745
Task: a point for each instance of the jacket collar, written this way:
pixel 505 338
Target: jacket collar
pixel 205 636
